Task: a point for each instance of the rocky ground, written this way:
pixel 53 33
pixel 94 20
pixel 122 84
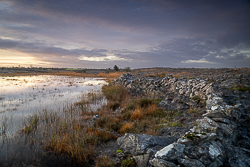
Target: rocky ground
pixel 215 117
pixel 211 128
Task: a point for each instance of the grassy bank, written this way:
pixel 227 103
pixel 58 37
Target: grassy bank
pixel 77 135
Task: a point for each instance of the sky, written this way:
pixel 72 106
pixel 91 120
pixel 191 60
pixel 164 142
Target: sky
pixel 126 33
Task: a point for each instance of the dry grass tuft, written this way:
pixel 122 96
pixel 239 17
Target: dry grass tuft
pixel 126 128
pixel 105 161
pixel 154 111
pixel 136 115
pixel 111 74
pixel 115 92
pixel 69 133
pixel 95 136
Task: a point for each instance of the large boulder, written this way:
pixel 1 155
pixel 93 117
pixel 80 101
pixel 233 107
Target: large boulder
pixel 206 125
pixel 136 144
pixel 161 163
pixel 220 138
pixel 142 147
pixel 190 162
pixel 171 152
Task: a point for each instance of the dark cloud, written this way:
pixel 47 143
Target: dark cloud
pixel 147 33
pixel 41 48
pixel 135 15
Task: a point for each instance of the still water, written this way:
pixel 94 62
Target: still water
pixel 22 96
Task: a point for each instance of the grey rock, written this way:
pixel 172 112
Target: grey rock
pixel 227 132
pixel 171 152
pixel 198 152
pixel 143 160
pixel 190 162
pixel 206 125
pixel 198 138
pixel 212 101
pixel 215 114
pixel 136 144
pixel 215 150
pixel 175 132
pixel 238 156
pixel 161 163
pixel 225 124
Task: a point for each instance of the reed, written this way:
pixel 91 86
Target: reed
pixel 73 133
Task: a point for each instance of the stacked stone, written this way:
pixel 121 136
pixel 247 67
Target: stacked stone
pixel 165 87
pixel 210 143
pixel 215 139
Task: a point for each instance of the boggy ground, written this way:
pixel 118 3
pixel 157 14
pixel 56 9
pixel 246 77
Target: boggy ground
pixel 81 137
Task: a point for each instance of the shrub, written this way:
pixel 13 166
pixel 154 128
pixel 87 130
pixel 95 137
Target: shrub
pixel 241 88
pixel 128 127
pixel 114 105
pixel 115 92
pixel 129 162
pixel 154 111
pixel 197 99
pixel 109 123
pixel 131 105
pixel 104 161
pixel 194 111
pixel 145 102
pixel 126 115
pixel 137 114
pixel 127 69
pixel 141 126
pixel 95 136
pixel 174 124
pixel 103 121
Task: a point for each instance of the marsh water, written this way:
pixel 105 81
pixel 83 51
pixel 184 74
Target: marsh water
pixel 23 96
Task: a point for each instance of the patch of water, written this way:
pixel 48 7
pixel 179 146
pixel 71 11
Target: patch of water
pixel 22 96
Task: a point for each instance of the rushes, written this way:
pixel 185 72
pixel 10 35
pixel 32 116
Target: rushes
pixel 115 92
pixel 63 134
pixel 135 115
pixel 105 161
pixel 72 132
pixel 30 124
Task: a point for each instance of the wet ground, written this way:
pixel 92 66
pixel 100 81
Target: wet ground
pixel 23 96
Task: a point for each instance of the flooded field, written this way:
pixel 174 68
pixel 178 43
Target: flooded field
pixel 24 96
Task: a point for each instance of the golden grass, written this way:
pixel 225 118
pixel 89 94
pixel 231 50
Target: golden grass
pixel 136 115
pixel 69 132
pixel 115 92
pixel 111 74
pixel 105 161
pixel 126 128
pixel 95 136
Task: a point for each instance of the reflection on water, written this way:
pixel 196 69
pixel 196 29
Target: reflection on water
pixel 22 96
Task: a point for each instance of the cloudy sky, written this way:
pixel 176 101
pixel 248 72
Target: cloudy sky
pixel 134 33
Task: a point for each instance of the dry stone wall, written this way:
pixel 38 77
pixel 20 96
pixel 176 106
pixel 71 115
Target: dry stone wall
pixel 220 138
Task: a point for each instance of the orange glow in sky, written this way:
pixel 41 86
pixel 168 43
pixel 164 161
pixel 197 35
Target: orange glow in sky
pixel 14 58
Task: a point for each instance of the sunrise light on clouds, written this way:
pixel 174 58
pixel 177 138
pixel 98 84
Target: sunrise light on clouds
pixel 15 59
pixel 99 34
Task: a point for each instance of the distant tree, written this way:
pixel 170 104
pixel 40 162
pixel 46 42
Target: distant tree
pixel 116 68
pixel 127 69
